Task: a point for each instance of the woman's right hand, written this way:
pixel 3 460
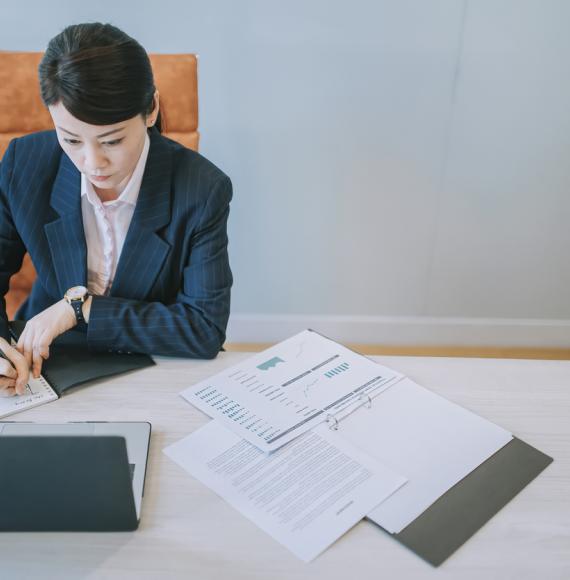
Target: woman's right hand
pixel 14 371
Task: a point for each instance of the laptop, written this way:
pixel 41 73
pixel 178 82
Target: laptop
pixel 72 476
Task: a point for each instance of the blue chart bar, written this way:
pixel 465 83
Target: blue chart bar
pixel 337 370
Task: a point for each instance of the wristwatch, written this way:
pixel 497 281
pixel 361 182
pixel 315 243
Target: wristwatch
pixel 75 297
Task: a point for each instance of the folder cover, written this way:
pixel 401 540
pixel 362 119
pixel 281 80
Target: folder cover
pixel 466 507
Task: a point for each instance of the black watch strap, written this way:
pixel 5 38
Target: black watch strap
pixel 77 306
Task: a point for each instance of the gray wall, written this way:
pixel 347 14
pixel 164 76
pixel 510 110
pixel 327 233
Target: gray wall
pixel 393 161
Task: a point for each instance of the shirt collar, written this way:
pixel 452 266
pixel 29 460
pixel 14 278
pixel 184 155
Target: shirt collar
pixel 130 194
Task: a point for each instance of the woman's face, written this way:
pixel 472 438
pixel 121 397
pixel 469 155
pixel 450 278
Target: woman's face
pixel 106 154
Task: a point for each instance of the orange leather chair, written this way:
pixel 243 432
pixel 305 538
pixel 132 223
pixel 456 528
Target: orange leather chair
pixel 22 111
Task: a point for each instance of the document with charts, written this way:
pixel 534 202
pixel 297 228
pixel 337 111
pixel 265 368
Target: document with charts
pixel 286 390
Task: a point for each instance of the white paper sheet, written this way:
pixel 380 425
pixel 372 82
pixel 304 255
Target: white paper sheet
pixel 282 392
pixel 432 441
pixel 305 495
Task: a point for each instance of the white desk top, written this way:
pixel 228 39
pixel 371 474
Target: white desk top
pixel 188 532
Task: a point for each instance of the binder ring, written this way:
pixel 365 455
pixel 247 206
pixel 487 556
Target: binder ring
pixel 333 422
pixel 366 400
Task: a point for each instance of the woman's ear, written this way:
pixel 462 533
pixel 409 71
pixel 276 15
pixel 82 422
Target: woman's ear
pixel 151 117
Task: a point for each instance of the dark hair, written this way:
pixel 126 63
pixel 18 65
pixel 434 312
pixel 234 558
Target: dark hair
pixel 99 73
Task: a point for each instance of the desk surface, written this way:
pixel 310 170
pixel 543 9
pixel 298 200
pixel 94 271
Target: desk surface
pixel 188 532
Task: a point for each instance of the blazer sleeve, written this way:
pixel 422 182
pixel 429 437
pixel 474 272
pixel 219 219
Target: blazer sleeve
pixel 193 326
pixel 12 249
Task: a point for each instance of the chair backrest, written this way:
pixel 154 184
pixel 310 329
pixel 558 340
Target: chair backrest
pixel 22 111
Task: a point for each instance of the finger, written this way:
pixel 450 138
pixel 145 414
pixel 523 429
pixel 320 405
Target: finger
pixel 7 382
pixel 22 368
pixel 44 343
pixel 41 352
pixel 37 361
pixel 22 383
pixel 28 349
pixel 7 370
pixel 20 343
pixel 23 346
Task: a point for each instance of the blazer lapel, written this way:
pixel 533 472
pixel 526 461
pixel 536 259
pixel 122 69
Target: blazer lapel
pixel 65 236
pixel 144 251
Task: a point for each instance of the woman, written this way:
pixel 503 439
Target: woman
pixel 126 229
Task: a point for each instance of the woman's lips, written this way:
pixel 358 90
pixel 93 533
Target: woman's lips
pixel 100 177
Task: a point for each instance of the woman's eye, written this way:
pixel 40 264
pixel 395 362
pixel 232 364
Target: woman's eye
pixel 72 141
pixel 113 142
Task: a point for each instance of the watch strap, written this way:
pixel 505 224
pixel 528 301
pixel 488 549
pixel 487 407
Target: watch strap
pixel 77 306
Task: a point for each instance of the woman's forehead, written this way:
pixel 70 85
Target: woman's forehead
pixel 66 122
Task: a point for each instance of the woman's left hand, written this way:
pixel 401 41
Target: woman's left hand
pixel 41 330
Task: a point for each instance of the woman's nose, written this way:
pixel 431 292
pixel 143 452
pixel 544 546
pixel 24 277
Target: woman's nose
pixel 95 159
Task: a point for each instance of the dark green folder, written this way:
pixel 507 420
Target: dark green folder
pixel 71 363
pixel 467 506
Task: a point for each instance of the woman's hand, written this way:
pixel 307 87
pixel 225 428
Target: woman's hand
pixel 41 330
pixel 14 371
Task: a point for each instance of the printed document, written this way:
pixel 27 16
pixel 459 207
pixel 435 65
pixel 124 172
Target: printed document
pixel 305 495
pixel 288 389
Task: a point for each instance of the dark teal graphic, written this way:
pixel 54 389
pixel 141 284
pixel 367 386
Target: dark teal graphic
pixel 270 363
pixel 337 370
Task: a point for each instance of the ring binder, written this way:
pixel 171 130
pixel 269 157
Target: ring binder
pixel 334 420
pixel 365 400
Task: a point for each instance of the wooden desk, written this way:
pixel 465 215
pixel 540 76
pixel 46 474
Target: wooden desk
pixel 188 532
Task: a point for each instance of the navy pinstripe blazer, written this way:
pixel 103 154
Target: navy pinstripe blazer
pixel 171 292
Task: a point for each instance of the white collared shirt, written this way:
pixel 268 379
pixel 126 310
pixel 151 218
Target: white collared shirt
pixel 106 224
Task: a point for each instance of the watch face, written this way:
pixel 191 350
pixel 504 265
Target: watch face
pixel 76 293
